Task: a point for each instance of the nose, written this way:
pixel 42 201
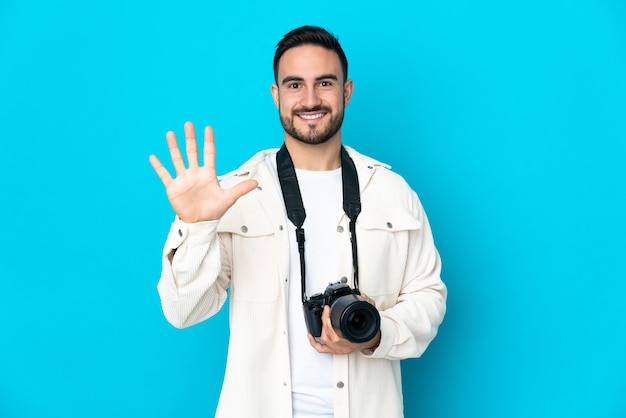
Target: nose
pixel 310 98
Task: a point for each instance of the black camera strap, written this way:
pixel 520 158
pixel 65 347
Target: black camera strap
pixel 295 208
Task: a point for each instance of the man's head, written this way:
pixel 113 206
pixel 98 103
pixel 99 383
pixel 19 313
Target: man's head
pixel 311 89
pixel 310 35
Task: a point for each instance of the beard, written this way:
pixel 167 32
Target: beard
pixel 312 134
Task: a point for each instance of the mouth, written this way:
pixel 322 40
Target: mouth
pixel 312 116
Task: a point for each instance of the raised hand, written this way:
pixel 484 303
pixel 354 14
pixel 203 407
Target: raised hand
pixel 195 194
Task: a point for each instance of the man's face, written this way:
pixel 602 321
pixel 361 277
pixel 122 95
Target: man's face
pixel 310 93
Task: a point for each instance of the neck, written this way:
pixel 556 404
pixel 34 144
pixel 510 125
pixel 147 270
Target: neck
pixel 318 157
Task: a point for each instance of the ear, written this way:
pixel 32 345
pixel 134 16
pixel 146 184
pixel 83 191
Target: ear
pixel 348 87
pixel 274 91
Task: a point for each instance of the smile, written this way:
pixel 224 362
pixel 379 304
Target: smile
pixel 312 116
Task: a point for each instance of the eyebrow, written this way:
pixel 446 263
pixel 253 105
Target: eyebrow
pixel 291 78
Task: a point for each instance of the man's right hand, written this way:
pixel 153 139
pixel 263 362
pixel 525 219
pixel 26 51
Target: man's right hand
pixel 195 194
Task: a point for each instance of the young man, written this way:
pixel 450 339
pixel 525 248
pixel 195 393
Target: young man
pixel 243 233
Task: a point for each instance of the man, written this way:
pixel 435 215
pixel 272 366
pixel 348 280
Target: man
pixel 235 233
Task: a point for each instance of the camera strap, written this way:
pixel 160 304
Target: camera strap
pixel 295 208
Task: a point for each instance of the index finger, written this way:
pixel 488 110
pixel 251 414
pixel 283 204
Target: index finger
pixel 327 325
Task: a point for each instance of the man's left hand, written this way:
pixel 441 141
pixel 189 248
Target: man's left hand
pixel 330 342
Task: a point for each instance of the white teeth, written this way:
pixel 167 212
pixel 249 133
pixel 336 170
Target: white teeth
pixel 316 116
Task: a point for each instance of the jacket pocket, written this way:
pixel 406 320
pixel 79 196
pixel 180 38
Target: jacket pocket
pixel 383 241
pixel 388 219
pixel 253 256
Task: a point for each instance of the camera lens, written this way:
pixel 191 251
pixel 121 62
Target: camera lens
pixel 354 318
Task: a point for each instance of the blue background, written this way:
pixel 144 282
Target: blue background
pixel 508 118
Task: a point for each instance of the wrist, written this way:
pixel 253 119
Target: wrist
pixel 374 343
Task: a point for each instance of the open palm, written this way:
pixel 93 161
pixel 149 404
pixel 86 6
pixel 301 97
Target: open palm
pixel 195 193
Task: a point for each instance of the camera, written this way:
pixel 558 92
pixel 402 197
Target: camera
pixel 351 316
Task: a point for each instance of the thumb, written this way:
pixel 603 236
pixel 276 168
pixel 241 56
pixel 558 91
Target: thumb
pixel 242 188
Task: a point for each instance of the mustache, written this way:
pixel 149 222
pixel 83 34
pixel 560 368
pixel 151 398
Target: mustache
pixel 312 109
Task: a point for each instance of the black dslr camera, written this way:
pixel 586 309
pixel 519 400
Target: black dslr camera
pixel 351 316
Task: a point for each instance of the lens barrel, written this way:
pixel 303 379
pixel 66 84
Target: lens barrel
pixel 354 318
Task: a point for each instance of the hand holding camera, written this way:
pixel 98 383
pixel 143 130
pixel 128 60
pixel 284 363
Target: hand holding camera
pixel 342 319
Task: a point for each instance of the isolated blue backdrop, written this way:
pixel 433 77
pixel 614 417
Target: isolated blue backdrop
pixel 508 118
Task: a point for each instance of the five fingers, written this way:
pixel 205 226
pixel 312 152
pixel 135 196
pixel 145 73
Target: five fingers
pixel 191 148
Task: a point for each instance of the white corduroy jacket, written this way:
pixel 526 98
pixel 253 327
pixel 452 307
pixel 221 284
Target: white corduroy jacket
pixel 248 252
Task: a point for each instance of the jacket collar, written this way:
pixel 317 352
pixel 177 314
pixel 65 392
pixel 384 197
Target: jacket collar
pixel 365 166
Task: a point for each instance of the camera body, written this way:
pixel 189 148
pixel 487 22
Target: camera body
pixel 351 316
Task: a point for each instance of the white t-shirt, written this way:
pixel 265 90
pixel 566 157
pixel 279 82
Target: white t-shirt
pixel 312 372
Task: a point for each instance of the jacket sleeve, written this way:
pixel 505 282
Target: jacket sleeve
pixel 194 278
pixel 408 327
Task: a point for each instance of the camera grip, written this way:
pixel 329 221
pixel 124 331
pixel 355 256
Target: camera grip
pixel 313 317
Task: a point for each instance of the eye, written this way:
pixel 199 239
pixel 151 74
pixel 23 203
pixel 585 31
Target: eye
pixel 293 85
pixel 326 83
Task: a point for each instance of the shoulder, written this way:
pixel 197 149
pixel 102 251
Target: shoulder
pixel 381 188
pixel 377 173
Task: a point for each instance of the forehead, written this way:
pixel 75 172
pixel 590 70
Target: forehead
pixel 309 61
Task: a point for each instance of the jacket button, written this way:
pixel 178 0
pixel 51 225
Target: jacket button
pixel 340 385
pixel 180 233
pixel 389 225
pixel 244 229
pixel 280 227
pixel 344 279
pixel 259 188
pixel 340 228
